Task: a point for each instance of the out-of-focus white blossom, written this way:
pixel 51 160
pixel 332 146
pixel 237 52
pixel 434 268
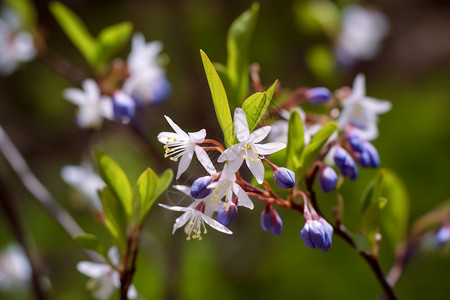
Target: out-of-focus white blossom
pixel 86 181
pixel 16 45
pixel 363 29
pixel 15 269
pixel 92 106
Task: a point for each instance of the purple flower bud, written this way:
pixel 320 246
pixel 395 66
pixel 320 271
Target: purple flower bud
pixel 124 107
pixel 227 213
pixel 355 141
pixel 373 154
pixel 317 234
pixel 340 155
pixel 318 95
pixel 162 90
pixel 327 179
pixel 271 220
pixel 346 163
pixel 443 235
pixel 284 178
pixel 199 188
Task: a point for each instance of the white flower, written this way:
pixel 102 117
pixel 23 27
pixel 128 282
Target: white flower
pixel 182 145
pixel 85 180
pixel 362 111
pixel 104 278
pixel 196 215
pixel 93 107
pixel 363 30
pixel 15 269
pixel 226 187
pixel 248 149
pixel 16 46
pixel 147 82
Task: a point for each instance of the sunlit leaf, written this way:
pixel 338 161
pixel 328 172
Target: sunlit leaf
pixel 112 39
pixel 256 106
pixel 116 180
pixel 238 45
pixel 220 100
pixel 321 61
pixel 296 141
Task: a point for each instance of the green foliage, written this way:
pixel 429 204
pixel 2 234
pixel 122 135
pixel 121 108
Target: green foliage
pixel 388 191
pixel 317 16
pixel 25 9
pixel 116 180
pixel 220 100
pixel 238 61
pixel 256 106
pixel 321 62
pixel 96 51
pixel 91 242
pixel 296 141
pixel 314 147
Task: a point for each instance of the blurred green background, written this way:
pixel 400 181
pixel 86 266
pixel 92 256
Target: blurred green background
pixel 412 70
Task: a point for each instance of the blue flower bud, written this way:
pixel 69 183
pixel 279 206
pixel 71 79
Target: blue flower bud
pixel 162 91
pixel 327 179
pixel 340 155
pixel 317 234
pixel 284 178
pixel 373 154
pixel 271 220
pixel 318 95
pixel 346 163
pixel 199 188
pixel 355 141
pixel 443 235
pixel 227 213
pixel 124 107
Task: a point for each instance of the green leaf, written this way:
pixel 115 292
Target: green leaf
pixel 238 45
pixel 76 30
pixel 296 141
pixel 314 147
pixel 372 216
pixel 220 100
pixel 318 16
pixel 116 180
pixel 321 61
pixel 164 181
pixel 25 9
pixel 91 242
pixel 110 40
pixel 256 106
pixel 115 217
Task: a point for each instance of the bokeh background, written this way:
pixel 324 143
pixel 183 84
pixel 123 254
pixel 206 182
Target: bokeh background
pixel 411 70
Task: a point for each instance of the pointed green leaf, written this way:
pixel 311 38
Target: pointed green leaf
pixel 256 106
pixel 220 100
pixel 76 30
pixel 91 242
pixel 238 45
pixel 115 217
pixel 372 215
pixel 296 141
pixel 116 180
pixel 146 186
pixel 314 147
pixel 25 9
pixel 110 40
pixel 164 181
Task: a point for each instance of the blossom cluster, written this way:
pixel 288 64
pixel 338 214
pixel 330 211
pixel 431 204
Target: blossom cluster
pixel 145 84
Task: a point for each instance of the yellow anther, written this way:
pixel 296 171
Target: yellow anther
pixel 253 160
pixel 256 153
pixel 244 157
pixel 249 147
pixel 242 148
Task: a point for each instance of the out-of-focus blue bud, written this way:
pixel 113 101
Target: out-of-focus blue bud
pixel 227 213
pixel 271 220
pixel 284 178
pixel 199 188
pixel 373 154
pixel 327 179
pixel 346 164
pixel 355 141
pixel 317 234
pixel 162 90
pixel 124 107
pixel 443 235
pixel 318 95
pixel 340 155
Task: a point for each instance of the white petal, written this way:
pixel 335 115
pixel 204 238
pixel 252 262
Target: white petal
pixel 181 220
pixel 113 254
pixel 185 161
pixel 76 96
pixel 204 159
pixel 259 134
pixel 232 153
pixel 106 108
pixel 244 200
pixel 174 208
pixel 91 90
pixel 256 167
pixel 175 127
pixel 370 133
pixel 359 86
pixel 377 106
pixel 269 148
pixel 132 292
pixel 183 188
pixel 92 269
pixel 198 137
pixel 241 125
pixel 216 225
pixel 163 136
